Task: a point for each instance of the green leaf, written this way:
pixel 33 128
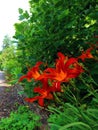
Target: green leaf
pixel 20 11
pixel 78 124
pixel 26 15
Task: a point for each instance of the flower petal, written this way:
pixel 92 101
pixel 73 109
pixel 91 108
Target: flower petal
pixel 70 62
pixel 86 54
pixel 32 99
pixel 56 87
pixel 41 102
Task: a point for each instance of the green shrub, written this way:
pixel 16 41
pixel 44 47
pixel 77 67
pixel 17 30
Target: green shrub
pixel 55 25
pixel 9 63
pixel 22 119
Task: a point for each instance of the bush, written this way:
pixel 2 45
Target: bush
pixel 55 25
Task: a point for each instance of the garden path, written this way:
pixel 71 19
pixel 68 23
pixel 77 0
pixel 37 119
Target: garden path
pixel 2 80
pixel 9 99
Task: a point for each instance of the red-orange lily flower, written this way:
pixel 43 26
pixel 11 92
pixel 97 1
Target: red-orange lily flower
pixel 32 73
pixel 45 92
pixel 65 69
pixel 86 54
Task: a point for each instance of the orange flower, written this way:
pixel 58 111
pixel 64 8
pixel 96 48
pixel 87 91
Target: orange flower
pixel 86 54
pixel 45 92
pixel 32 73
pixel 65 69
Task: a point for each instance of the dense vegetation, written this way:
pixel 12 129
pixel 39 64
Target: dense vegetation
pixel 52 26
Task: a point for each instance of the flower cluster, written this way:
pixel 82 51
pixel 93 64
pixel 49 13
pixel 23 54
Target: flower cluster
pixel 51 78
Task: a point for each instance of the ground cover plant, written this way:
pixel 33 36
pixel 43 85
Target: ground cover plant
pixel 22 119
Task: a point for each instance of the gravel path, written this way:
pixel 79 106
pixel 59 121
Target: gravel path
pixel 2 80
pixel 9 99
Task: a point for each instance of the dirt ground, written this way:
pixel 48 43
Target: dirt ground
pixel 10 101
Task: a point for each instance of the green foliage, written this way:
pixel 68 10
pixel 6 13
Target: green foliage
pixel 22 119
pixel 28 88
pixel 70 117
pixel 6 42
pixel 15 73
pixel 81 90
pixel 8 60
pixel 55 25
pixel 9 63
